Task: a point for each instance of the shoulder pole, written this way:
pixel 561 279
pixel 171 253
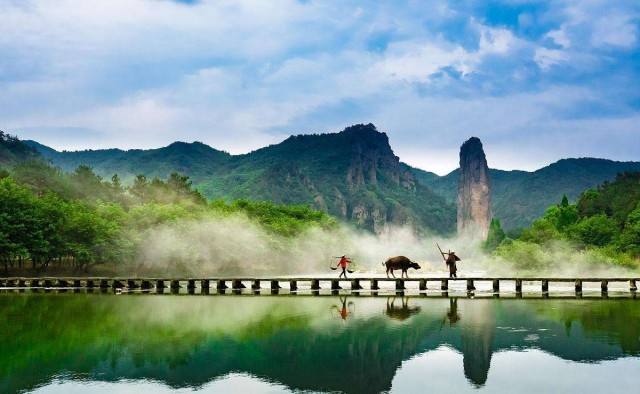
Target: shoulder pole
pixel 441 252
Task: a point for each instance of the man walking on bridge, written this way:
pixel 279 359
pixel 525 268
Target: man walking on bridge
pixel 344 261
pixel 450 259
pixel 451 263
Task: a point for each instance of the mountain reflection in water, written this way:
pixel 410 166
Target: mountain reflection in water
pixel 343 344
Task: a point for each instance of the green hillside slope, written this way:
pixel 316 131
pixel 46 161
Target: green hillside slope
pixel 353 175
pixel 520 197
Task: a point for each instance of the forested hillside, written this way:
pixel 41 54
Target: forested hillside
pixel 353 175
pixel 13 151
pixel 520 197
pixel 77 219
pixel 604 224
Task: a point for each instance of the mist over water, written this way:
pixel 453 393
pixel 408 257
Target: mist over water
pixel 237 245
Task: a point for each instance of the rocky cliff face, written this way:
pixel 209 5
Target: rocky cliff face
pixel 474 190
pixel 373 165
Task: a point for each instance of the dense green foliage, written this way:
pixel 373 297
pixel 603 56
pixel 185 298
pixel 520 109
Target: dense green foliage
pixel 605 222
pixel 495 237
pixel 352 175
pixel 519 197
pixel 51 217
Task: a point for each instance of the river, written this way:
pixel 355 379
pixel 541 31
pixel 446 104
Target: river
pixel 106 343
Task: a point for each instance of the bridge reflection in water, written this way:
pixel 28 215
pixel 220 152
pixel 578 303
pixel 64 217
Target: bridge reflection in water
pixel 342 343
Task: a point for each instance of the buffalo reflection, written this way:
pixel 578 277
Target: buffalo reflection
pixel 402 312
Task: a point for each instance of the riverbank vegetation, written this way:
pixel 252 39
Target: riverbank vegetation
pixel 51 218
pixel 603 227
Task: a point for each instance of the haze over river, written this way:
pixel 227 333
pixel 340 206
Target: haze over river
pixel 106 343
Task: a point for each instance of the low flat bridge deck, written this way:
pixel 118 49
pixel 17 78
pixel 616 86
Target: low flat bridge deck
pixel 315 283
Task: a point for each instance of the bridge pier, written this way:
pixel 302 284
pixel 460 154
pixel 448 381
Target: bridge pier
pixel 275 285
pixel 335 284
pixel 131 284
pixel 62 283
pixel 400 285
pixel 496 286
pixel 470 286
pixel 22 283
pixel 315 284
pixel 604 286
pixel 578 285
pixel 117 284
pixel 444 284
pixel 33 283
pixel 221 285
pixel 293 285
pixel 174 284
pixel 519 286
pixel 145 284
pixel 237 284
pixel 160 284
pixel 422 285
pixel 255 285
pixel 632 285
pixel 545 286
pixel 374 285
pixel 355 284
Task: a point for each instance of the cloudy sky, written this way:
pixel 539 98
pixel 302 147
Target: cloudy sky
pixel 535 80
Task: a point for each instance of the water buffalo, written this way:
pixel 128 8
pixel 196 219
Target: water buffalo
pixel 400 263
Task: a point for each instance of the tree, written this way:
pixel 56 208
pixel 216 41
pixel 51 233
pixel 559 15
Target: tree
pixel 562 215
pixel 598 230
pixel 495 237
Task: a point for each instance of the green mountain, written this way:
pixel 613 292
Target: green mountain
pixel 520 197
pixel 13 151
pixel 196 159
pixel 352 175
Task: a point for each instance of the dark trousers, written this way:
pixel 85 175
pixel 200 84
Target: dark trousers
pixel 344 272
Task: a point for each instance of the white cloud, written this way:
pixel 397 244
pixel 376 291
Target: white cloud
pixel 560 38
pixel 614 29
pixel 242 74
pixel 546 57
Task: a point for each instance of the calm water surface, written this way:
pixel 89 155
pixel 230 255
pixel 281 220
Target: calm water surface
pixel 105 343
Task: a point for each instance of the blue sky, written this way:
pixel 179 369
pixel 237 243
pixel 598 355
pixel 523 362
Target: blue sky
pixel 535 80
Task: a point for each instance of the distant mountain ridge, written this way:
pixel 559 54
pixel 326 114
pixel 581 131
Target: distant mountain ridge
pixel 353 175
pixel 520 197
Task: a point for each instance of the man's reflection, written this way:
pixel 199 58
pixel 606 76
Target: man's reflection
pixel 452 312
pixel 345 310
pixel 402 312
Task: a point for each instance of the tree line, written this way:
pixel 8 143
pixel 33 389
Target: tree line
pixel 52 218
pixel 604 223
